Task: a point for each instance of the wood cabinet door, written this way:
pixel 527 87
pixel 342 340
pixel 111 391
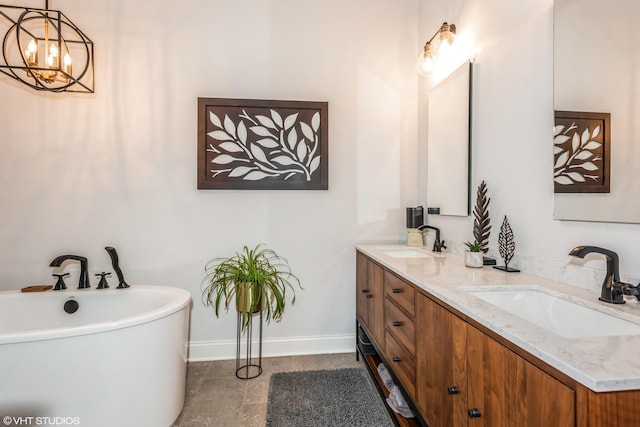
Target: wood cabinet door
pixel 441 384
pixel 505 390
pixel 491 376
pixel 542 400
pixel 362 289
pixel 375 296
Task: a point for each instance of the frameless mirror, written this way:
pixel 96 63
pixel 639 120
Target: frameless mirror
pixel 597 85
pixel 449 144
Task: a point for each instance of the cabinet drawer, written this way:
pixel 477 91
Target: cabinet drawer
pixel 402 364
pixel 401 292
pixel 400 326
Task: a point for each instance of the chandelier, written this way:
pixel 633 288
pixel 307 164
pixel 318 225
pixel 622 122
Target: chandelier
pixel 43 49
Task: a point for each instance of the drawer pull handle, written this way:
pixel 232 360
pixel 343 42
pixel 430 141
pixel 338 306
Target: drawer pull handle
pixel 397 290
pixel 369 296
pixel 396 359
pixel 453 390
pixel 397 323
pixel 365 291
pixel 474 413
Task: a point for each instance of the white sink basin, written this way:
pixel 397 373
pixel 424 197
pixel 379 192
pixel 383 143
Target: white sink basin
pixel 556 313
pixel 406 253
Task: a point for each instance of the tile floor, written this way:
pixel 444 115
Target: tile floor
pixel 215 397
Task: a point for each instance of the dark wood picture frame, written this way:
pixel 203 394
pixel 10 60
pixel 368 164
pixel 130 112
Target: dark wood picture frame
pixel 582 152
pixel 259 144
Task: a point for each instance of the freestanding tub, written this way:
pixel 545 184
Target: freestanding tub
pixel 119 360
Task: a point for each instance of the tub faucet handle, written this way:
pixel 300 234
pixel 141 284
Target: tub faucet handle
pixel 103 284
pixel 60 285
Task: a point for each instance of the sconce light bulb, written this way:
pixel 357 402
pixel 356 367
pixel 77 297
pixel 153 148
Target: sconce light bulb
pixel 53 50
pixel 67 59
pixel 424 64
pixel 427 65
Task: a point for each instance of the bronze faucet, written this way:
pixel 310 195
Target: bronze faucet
pixel 612 288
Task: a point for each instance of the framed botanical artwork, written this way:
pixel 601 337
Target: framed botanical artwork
pixel 262 144
pixel 582 152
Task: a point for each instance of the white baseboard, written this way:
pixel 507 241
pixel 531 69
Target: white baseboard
pixel 274 347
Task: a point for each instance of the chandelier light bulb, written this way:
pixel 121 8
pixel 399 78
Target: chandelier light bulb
pixel 66 62
pixel 31 54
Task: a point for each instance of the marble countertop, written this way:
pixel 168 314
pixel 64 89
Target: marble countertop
pixel 601 363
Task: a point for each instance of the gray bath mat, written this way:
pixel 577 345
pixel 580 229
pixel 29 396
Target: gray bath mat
pixel 327 398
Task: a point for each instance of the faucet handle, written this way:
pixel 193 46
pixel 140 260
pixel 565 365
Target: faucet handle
pixel 60 285
pixel 627 288
pixel 103 284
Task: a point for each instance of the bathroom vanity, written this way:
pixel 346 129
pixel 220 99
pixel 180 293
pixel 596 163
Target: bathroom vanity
pixel 468 348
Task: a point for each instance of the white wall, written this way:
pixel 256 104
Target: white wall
pixel 512 137
pixel 79 172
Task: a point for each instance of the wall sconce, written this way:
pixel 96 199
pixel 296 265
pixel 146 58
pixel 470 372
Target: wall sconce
pixel 445 37
pixel 43 49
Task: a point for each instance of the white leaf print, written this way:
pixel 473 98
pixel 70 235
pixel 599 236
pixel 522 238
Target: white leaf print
pixel 588 166
pixel 292 138
pixel 596 132
pixel 584 155
pixel 256 176
pixel 575 142
pixel 306 130
pixel 314 164
pixel 283 160
pixel 266 121
pixel 258 153
pixel 576 176
pixel 557 150
pixel 557 130
pixel 560 139
pixel 301 151
pixel 229 126
pixel 276 118
pixel 242 133
pixel 267 143
pixel 290 121
pixel 562 159
pixel 239 171
pixel 224 159
pixel 586 135
pixel 260 131
pixel 220 135
pixel 563 180
pixel 315 121
pixel 214 119
pixel 231 147
pixel 592 145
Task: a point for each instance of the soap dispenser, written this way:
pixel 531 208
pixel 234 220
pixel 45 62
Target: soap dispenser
pixel 415 224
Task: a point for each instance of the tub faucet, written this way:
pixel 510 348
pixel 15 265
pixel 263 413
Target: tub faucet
pixel 612 288
pixel 83 282
pixel 438 245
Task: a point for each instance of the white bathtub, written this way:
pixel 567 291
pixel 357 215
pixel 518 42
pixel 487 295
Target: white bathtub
pixel 119 360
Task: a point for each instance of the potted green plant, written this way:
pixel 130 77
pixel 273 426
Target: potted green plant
pixel 473 257
pixel 257 278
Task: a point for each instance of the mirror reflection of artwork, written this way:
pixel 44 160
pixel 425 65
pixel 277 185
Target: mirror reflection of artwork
pixel 596 68
pixel 581 151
